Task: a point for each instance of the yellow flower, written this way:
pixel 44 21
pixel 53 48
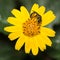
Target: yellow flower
pixel 29 28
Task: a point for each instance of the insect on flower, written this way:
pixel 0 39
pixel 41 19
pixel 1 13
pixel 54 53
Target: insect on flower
pixel 37 17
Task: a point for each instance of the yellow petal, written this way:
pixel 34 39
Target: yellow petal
pixel 20 43
pixel 39 10
pixel 34 46
pixel 16 13
pixel 14 21
pixel 46 40
pixel 42 46
pixel 27 46
pixel 24 14
pixel 48 18
pixel 35 8
pixel 13 36
pixel 41 43
pixel 13 29
pixel 47 31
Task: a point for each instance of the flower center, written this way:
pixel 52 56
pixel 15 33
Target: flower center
pixel 31 27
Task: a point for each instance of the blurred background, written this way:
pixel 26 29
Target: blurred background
pixel 7 51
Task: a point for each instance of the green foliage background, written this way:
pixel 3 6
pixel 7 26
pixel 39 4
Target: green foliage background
pixel 7 51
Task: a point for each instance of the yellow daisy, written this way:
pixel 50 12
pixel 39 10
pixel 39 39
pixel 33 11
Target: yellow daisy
pixel 29 28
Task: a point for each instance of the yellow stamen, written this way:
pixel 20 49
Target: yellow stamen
pixel 31 27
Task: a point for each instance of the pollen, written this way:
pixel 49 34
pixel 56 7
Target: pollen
pixel 31 27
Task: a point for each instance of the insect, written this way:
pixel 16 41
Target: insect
pixel 37 16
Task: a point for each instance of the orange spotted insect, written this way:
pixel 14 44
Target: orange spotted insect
pixel 37 16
